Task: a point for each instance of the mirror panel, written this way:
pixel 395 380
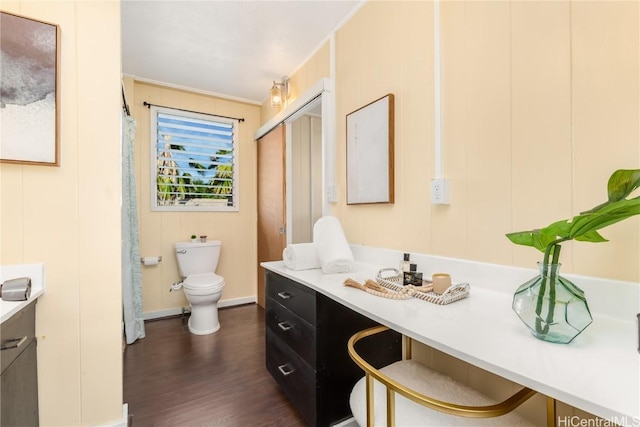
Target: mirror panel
pixel 304 201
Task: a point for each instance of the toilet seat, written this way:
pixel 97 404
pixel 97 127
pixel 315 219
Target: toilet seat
pixel 200 282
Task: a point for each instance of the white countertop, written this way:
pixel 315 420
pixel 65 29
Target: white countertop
pixel 598 372
pixel 35 272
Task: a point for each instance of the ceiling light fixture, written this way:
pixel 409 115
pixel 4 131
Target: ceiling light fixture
pixel 279 92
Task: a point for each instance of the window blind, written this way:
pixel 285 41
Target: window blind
pixel 195 160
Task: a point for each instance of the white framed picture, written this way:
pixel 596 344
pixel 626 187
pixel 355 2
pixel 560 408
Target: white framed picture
pixel 370 133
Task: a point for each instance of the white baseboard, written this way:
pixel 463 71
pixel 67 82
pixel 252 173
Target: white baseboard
pixel 124 421
pixel 177 311
pixel 237 301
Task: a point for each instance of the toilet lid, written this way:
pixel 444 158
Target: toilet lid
pixel 200 281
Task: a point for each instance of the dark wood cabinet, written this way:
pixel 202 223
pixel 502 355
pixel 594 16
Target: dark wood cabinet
pixel 19 378
pixel 306 349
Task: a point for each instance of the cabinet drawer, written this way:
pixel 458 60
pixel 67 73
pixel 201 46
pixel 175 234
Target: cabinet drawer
pixel 296 378
pixel 297 298
pixel 293 330
pixel 16 333
pixel 19 390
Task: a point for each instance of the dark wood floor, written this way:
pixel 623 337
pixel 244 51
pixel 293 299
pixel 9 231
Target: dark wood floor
pixel 173 378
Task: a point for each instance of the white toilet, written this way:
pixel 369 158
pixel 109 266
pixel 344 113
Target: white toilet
pixel 197 263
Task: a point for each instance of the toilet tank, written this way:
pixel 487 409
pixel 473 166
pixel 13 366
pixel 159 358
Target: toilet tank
pixel 197 258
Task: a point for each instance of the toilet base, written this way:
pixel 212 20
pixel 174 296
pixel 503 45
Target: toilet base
pixel 195 331
pixel 204 316
pixel 204 305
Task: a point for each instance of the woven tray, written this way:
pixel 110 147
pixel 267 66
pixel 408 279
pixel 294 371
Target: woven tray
pixel 454 293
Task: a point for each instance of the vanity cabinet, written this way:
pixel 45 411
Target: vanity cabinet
pixel 306 349
pixel 19 378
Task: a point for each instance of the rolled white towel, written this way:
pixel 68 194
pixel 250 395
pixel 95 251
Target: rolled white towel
pixel 300 256
pixel 331 245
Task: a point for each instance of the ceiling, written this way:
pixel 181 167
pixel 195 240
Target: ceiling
pixel 232 48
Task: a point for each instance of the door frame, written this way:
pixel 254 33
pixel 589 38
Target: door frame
pixel 268 242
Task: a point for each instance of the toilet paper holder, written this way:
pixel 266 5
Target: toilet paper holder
pixel 150 260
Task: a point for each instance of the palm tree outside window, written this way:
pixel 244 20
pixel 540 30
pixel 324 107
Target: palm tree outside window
pixel 196 161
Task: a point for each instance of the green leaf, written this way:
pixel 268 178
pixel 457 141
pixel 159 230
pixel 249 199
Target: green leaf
pixel 533 238
pixel 592 236
pixel 524 238
pixel 543 239
pixel 605 216
pixel 584 227
pixel 558 229
pixel 622 183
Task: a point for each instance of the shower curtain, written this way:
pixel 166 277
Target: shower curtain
pixel 131 273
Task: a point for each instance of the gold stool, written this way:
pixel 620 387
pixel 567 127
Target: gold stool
pixel 392 386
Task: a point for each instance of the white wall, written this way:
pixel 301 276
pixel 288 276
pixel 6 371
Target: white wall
pixel 540 104
pixel 68 218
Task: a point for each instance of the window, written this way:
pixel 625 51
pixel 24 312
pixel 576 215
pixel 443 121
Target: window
pixel 193 161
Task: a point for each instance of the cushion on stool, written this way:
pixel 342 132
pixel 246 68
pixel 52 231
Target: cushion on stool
pixel 430 383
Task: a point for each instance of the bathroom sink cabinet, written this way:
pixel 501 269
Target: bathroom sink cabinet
pixel 306 349
pixel 19 378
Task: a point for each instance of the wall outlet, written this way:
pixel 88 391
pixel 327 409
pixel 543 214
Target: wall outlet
pixel 440 191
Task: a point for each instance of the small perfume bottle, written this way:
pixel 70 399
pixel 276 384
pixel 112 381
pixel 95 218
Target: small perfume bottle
pixel 412 277
pixel 405 265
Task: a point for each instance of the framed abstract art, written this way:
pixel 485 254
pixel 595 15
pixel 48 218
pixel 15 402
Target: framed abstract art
pixel 29 91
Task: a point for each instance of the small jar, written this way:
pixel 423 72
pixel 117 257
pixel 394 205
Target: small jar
pixel 203 239
pixel 441 282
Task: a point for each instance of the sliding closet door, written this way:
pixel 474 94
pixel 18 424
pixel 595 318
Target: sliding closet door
pixel 271 202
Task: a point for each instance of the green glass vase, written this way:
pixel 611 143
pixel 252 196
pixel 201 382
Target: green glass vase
pixel 552 307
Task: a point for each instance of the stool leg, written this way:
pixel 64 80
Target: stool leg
pixel 406 348
pixel 369 388
pixel 551 412
pixel 391 408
